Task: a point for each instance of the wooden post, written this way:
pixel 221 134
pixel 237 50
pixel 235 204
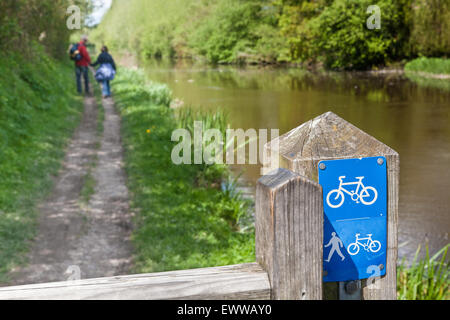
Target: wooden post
pixel 330 137
pixel 289 227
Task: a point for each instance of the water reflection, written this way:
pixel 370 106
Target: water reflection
pixel 413 120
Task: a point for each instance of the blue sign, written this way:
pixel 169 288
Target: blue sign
pixel 355 206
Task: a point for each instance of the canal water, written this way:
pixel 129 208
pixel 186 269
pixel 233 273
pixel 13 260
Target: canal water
pixel 413 120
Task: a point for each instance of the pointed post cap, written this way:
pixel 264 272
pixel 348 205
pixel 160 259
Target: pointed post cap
pixel 328 136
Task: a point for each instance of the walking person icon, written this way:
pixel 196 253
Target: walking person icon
pixel 335 243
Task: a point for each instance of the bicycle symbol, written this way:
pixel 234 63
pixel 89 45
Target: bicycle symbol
pixel 368 245
pixel 367 195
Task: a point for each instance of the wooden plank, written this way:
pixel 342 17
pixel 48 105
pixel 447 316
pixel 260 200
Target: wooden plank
pixel 243 281
pixel 386 287
pixel 329 137
pixel 288 231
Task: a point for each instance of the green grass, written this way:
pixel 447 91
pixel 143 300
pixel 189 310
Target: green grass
pixel 429 65
pixel 181 223
pixel 426 279
pixel 426 72
pixel 38 112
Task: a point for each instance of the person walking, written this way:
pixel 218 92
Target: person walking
pixel 336 244
pixel 81 65
pixel 106 72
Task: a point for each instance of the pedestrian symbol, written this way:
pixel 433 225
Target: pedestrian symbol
pixel 335 243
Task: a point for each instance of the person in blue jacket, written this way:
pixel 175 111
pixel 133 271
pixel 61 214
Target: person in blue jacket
pixel 106 72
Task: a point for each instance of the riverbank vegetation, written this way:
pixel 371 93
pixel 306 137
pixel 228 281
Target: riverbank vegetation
pixel 427 279
pixel 38 113
pixel 429 72
pixel 186 217
pixel 332 33
pixel 432 66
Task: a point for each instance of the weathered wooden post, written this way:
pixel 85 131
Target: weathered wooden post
pixel 288 234
pixel 329 137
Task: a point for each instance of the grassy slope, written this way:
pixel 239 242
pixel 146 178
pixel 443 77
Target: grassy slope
pixel 429 72
pixel 37 115
pixel 180 225
pixel 429 65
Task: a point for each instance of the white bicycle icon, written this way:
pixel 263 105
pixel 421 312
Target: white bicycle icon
pixel 368 245
pixel 367 195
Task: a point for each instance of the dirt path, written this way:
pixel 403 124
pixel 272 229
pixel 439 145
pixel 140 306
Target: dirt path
pixel 89 240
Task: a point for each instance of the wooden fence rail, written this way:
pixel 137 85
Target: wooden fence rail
pixel 288 232
pixel 244 281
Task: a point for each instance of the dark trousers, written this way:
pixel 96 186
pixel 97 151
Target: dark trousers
pixel 82 71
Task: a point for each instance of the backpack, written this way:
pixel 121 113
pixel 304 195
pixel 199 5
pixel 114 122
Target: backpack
pixel 105 72
pixel 74 52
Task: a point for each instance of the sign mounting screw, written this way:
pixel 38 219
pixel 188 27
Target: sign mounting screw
pixel 322 166
pixel 380 161
pixel 351 286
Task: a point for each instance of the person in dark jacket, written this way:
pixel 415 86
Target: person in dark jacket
pixel 105 60
pixel 81 66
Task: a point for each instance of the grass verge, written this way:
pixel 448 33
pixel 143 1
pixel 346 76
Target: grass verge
pixel 429 65
pixel 37 115
pixel 185 219
pixel 429 72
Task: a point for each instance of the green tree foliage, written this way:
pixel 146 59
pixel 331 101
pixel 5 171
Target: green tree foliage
pixel 430 31
pixel 23 22
pixel 220 30
pixel 293 22
pixel 332 32
pixel 147 28
pixel 337 34
pixel 237 30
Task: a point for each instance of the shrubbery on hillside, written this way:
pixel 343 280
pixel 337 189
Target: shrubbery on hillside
pixel 332 32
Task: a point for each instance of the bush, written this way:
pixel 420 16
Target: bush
pixel 226 32
pixel 430 31
pixel 339 37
